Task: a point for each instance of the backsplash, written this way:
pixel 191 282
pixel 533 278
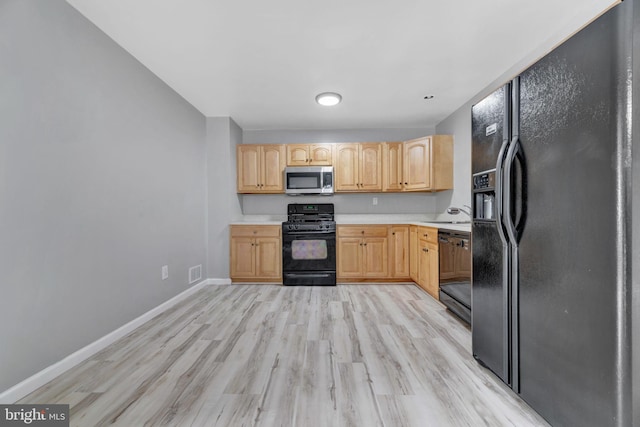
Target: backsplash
pixel 350 203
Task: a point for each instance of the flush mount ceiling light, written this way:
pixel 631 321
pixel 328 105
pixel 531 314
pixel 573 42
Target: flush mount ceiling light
pixel 328 99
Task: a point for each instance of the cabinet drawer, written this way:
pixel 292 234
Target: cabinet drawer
pixel 362 231
pixel 255 230
pixel 428 234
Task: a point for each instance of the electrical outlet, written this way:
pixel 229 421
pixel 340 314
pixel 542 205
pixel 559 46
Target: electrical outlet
pixel 165 272
pixel 375 201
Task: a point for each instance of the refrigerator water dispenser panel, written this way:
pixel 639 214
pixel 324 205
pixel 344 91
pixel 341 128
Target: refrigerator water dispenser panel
pixel 484 195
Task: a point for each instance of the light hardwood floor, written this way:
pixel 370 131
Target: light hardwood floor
pixel 268 355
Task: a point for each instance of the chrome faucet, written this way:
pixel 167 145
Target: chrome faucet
pixel 452 210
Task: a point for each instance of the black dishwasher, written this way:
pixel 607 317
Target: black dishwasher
pixel 455 272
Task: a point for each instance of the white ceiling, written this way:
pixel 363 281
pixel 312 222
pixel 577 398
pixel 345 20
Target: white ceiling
pixel 263 62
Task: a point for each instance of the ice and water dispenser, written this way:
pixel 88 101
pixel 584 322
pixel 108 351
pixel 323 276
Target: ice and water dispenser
pixel 484 192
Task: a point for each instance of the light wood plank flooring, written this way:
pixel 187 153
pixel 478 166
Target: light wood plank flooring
pixel 267 355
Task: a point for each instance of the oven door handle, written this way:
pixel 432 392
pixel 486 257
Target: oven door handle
pixel 299 233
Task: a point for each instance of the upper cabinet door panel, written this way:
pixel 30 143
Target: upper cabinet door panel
pixel 321 154
pixel 273 168
pixel 371 167
pixel 248 164
pixel 392 169
pixel 347 167
pixel 417 164
pixel 297 154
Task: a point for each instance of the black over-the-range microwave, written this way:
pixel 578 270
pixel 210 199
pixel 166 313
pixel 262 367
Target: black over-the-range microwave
pixel 316 180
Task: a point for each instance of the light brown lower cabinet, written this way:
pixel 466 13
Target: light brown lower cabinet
pixel 372 253
pixel 399 257
pixel 362 252
pixel 428 262
pixel 365 253
pixel 256 253
pixel 413 253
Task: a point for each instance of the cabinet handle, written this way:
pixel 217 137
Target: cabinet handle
pixel 393 234
pixel 425 235
pixel 406 183
pixel 365 244
pixel 425 250
pixel 362 232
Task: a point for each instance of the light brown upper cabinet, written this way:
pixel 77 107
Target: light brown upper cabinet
pixel 358 167
pixel 392 170
pixel 310 154
pixel 422 164
pixel 260 168
pixel 428 163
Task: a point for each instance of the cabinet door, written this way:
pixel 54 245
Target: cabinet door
pixel 297 155
pixel 349 257
pixel 268 257
pixel 321 154
pixel 441 162
pixel 399 251
pixel 433 283
pixel 392 159
pixel 423 265
pixel 273 161
pixel 417 164
pixel 371 167
pixel 248 168
pixel 243 260
pixel 428 275
pixel 413 253
pixel 376 261
pixel 347 167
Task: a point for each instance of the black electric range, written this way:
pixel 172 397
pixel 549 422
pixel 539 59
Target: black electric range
pixel 309 245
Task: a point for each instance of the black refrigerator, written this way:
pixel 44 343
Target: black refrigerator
pixel 555 289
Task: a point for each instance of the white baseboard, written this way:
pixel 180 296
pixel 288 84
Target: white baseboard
pixel 39 379
pixel 218 281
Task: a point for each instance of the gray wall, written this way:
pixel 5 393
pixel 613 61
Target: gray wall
pixel 459 125
pixel 224 204
pixel 388 203
pixel 102 181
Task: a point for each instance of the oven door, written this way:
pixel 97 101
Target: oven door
pixel 309 258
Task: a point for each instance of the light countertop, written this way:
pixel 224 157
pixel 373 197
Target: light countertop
pixel 348 219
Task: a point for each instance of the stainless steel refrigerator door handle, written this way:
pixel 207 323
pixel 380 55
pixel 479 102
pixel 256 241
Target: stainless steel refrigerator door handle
pixel 499 192
pixel 507 219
